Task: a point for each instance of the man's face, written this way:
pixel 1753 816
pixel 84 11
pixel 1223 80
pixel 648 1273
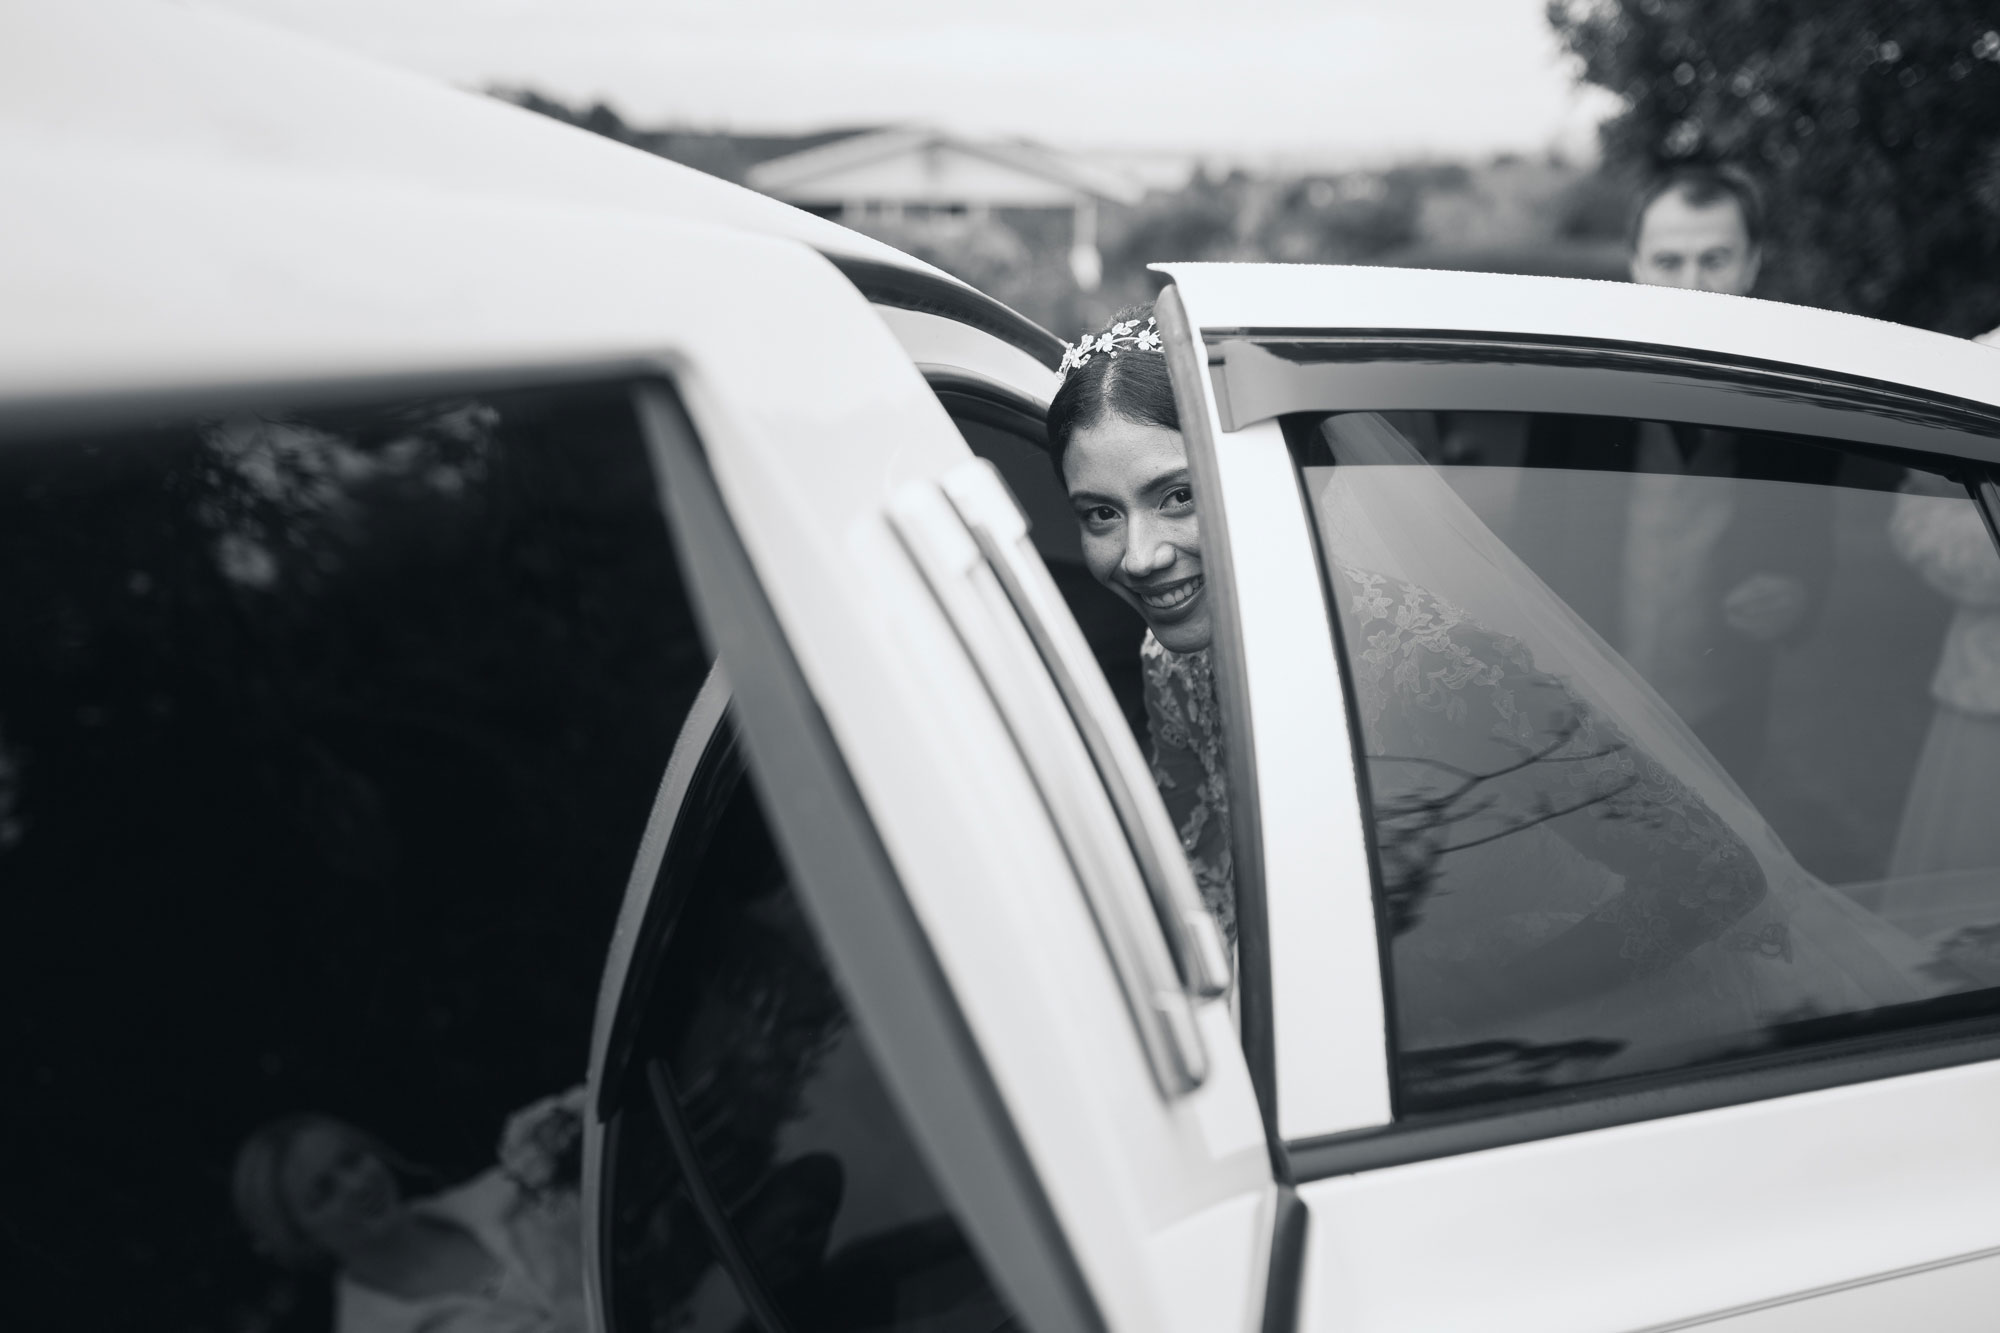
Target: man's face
pixel 1705 247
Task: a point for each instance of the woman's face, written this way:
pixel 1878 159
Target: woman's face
pixel 341 1195
pixel 1141 538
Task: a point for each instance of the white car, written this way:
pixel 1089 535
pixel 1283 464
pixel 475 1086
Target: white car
pixel 393 479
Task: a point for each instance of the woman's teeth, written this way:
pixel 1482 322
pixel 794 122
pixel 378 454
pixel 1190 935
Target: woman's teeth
pixel 1170 598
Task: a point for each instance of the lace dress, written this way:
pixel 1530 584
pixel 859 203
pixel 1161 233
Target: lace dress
pixel 537 1285
pixel 1187 760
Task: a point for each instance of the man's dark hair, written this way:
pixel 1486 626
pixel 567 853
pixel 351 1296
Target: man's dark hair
pixel 1702 186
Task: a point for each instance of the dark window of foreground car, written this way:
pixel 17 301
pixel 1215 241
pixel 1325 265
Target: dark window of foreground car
pixel 756 1158
pixel 1678 742
pixel 326 738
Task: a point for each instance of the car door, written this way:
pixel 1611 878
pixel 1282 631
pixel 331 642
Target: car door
pixel 909 1023
pixel 1755 589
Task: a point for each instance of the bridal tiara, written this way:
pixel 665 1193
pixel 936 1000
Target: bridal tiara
pixel 1127 335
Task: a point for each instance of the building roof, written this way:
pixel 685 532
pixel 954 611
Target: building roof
pixel 932 166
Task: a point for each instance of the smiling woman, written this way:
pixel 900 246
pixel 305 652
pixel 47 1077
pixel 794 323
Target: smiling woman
pixel 1114 433
pixel 487 1256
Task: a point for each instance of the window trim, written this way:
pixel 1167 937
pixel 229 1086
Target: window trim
pixel 1515 351
pixel 707 748
pixel 1843 1062
pixel 1559 1114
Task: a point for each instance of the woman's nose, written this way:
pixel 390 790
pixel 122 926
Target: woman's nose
pixel 1146 554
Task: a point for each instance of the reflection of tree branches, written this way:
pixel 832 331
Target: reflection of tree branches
pixel 1447 1076
pixel 1413 827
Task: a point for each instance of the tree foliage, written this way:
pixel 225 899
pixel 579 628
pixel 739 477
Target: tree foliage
pixel 1873 124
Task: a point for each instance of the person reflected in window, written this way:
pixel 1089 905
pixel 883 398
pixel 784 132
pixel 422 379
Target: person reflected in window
pixel 500 1253
pixel 1115 438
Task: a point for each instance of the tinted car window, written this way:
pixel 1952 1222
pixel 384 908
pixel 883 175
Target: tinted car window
pixel 788 1143
pixel 326 738
pixel 1678 741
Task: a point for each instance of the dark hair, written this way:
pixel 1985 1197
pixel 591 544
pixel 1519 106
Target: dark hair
pixel 1129 384
pixel 1702 186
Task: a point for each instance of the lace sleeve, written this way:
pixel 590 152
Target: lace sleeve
pixel 1469 744
pixel 1187 763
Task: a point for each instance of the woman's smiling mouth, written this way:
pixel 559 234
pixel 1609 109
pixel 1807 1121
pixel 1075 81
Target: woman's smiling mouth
pixel 1172 597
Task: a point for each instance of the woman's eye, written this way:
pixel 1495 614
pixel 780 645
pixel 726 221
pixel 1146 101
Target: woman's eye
pixel 1180 495
pixel 1100 514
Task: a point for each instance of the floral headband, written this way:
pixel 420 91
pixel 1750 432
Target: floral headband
pixel 1124 336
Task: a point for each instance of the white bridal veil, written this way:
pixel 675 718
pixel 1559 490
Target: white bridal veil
pixel 1381 508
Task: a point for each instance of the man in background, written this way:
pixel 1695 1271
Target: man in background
pixel 1704 563
pixel 1700 228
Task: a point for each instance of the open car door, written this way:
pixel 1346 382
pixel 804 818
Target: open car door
pixel 913 1019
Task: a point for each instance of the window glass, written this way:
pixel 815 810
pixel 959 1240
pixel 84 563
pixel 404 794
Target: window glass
pixel 1679 741
pixel 664 1274
pixel 754 1060
pixel 326 741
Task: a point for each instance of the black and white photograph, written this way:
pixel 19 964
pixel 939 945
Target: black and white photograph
pixel 958 666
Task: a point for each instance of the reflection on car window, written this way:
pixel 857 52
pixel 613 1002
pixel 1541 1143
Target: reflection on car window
pixel 326 738
pixel 1678 740
pixel 665 1276
pixel 802 1166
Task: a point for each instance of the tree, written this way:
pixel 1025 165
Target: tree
pixel 1874 126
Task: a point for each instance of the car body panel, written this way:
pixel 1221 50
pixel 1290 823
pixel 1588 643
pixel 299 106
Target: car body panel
pixel 193 86
pixel 1655 1224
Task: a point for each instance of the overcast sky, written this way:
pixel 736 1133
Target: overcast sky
pixel 1305 80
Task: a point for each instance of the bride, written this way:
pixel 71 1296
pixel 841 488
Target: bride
pixel 1562 865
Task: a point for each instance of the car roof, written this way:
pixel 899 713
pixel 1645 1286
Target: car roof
pixel 1301 298
pixel 174 81
pixel 119 119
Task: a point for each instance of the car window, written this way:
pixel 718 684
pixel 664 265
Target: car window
pixel 1678 742
pixel 326 739
pixel 749 1063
